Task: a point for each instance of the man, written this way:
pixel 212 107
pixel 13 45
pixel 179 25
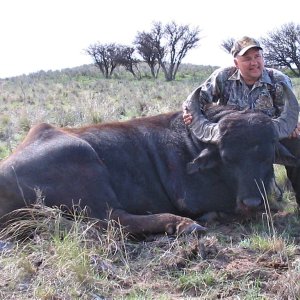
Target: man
pixel 247 84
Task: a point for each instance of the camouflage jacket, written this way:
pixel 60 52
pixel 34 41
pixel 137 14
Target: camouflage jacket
pixel 226 86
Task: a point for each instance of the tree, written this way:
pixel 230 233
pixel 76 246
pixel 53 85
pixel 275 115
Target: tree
pixel 104 56
pixel 282 48
pixel 167 45
pixel 125 57
pixel 227 44
pixel 179 39
pixel 145 45
pixel 108 56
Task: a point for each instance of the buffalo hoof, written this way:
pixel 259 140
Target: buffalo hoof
pixel 191 228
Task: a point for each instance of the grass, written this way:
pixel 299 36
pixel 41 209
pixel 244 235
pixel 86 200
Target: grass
pixel 198 282
pixel 48 255
pixel 66 259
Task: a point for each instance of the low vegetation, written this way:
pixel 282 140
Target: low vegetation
pixel 48 255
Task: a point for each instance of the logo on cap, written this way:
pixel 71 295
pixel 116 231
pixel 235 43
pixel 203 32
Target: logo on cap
pixel 241 46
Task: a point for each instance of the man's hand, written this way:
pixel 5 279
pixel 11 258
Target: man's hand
pixel 187 117
pixel 294 134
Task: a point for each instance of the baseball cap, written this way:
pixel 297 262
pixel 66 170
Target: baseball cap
pixel 244 44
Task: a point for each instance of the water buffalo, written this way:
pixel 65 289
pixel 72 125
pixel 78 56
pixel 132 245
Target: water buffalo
pixel 147 173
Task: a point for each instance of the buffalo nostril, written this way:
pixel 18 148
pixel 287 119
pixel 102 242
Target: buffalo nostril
pixel 252 202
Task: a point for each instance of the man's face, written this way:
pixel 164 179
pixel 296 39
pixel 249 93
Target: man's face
pixel 250 64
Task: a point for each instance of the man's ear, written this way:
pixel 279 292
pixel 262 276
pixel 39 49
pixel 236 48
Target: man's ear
pixel 235 62
pixel 208 158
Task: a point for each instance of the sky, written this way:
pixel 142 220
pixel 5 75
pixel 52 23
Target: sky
pixel 53 34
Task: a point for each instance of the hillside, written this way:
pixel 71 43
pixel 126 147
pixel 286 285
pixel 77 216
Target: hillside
pixel 73 97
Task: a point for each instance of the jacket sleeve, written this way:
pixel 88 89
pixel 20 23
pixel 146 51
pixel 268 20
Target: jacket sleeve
pixel 201 127
pixel 288 119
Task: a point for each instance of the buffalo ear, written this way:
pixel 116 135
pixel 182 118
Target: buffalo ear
pixel 208 158
pixel 284 157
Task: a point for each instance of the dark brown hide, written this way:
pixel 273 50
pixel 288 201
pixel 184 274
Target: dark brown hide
pixel 136 171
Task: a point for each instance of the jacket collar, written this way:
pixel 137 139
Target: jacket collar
pixel 265 77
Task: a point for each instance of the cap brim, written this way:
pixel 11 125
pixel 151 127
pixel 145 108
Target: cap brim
pixel 244 50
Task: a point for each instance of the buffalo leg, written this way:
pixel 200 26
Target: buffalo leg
pixel 293 173
pixel 156 223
